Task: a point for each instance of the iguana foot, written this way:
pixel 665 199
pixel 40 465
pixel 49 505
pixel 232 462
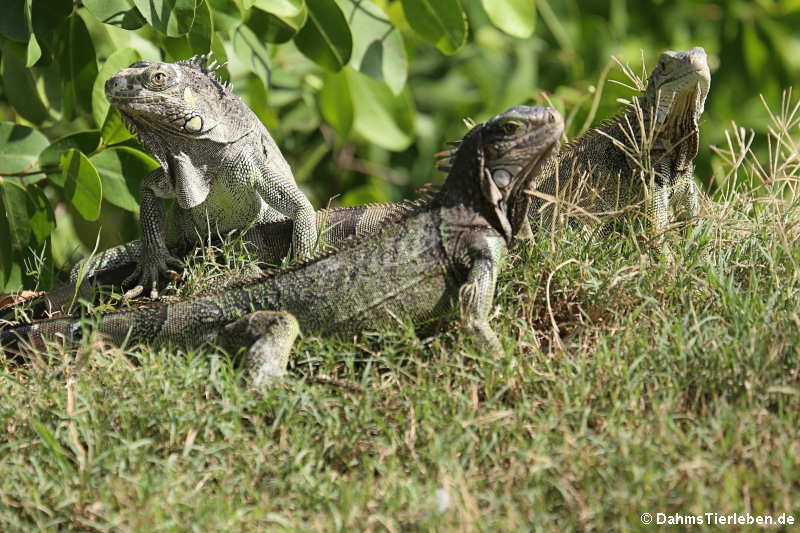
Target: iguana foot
pixel 485 337
pixel 272 334
pixel 150 269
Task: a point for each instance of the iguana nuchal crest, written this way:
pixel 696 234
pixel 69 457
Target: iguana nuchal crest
pixel 443 255
pixel 218 162
pixel 607 170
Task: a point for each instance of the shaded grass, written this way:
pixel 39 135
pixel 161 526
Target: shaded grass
pixel 633 382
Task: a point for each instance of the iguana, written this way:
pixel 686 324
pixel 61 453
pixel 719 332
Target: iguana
pixel 273 240
pixel 443 255
pixel 681 81
pixel 218 162
pixel 607 170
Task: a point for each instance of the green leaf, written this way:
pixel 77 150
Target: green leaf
pixel 114 130
pixel 120 13
pixel 515 17
pixel 120 59
pixel 381 117
pixel 378 48
pixel 19 148
pixel 86 141
pixel 12 21
pixel 202 32
pixel 78 67
pixel 16 208
pixel 218 49
pixel 82 186
pixel 197 41
pixel 121 171
pixel 325 38
pixel 227 14
pixel 441 22
pixel 20 87
pixel 277 21
pixel 48 18
pixel 173 18
pixel 251 52
pixel 34 51
pixel 41 217
pixel 336 103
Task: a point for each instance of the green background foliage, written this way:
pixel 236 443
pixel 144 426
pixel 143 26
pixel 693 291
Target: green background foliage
pixel 359 94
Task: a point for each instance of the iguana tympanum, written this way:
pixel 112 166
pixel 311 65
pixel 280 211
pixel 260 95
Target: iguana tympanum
pixel 445 254
pixel 606 171
pixel 217 159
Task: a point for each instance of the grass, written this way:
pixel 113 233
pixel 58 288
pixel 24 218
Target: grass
pixel 633 382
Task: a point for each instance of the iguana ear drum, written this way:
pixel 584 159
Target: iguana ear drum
pixel 502 177
pixel 194 124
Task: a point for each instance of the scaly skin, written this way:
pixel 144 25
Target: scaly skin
pixel 217 160
pixel 599 174
pixel 273 240
pixel 441 256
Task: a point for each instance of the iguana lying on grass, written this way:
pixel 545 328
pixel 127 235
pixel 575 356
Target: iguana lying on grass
pixel 273 241
pixel 442 255
pixel 608 170
pixel 217 160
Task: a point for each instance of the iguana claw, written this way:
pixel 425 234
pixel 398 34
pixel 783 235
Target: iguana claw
pixel 149 271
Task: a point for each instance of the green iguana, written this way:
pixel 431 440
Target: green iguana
pixel 607 170
pixel 273 241
pixel 681 81
pixel 443 255
pixel 218 162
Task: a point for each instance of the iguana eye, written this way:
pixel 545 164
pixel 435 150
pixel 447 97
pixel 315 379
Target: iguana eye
pixel 510 128
pixel 157 79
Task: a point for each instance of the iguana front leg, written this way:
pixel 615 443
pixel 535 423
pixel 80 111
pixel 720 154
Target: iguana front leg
pixel 271 335
pixel 279 190
pixel 476 295
pixel 155 261
pixel 685 200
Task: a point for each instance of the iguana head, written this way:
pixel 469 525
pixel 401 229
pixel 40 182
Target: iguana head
pixel 678 86
pixel 183 99
pixel 178 109
pixel 498 160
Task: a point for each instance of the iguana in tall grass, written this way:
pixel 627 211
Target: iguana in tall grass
pixel 218 162
pixel 643 157
pixel 443 255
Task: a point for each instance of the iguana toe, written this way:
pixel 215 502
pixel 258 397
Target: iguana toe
pixel 150 270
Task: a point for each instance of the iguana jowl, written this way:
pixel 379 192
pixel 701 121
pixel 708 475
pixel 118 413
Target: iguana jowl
pixel 606 170
pixel 442 255
pixel 217 159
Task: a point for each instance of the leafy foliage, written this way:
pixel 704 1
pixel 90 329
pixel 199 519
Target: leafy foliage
pixel 359 94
